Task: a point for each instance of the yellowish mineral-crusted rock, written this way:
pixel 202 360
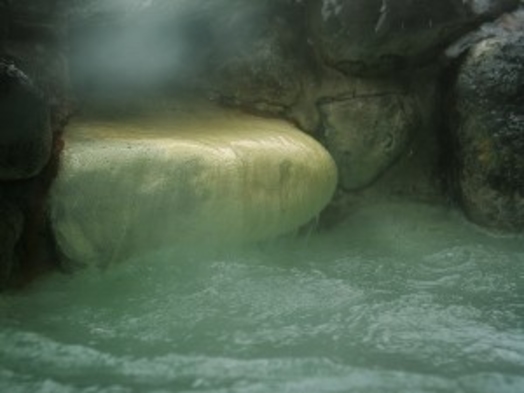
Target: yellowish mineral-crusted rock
pixel 199 179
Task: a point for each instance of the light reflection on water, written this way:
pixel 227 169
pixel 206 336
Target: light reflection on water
pixel 402 298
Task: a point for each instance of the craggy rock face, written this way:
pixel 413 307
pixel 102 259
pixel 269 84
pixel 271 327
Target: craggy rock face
pixel 367 134
pixel 490 132
pixel 25 144
pixel 377 36
pixel 268 67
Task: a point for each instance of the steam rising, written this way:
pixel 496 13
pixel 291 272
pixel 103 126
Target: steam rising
pixel 122 49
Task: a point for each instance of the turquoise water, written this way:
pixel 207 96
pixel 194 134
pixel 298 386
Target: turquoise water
pixel 401 298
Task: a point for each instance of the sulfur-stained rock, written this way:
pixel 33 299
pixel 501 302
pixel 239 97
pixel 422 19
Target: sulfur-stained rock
pixel 26 137
pixel 212 179
pixel 489 132
pixel 378 36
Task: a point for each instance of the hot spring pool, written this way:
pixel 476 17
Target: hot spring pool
pixel 401 298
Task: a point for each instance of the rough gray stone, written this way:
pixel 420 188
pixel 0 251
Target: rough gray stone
pixel 26 139
pixel 268 68
pixel 489 132
pixel 507 24
pixel 367 133
pixel 377 36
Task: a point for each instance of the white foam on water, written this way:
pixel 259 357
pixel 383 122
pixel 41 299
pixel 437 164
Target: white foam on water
pixel 402 297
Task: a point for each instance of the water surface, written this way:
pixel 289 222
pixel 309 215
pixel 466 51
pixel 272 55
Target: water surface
pixel 401 298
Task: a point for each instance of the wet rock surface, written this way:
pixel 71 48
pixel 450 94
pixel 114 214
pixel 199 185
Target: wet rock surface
pixel 270 66
pixel 325 65
pixel 490 132
pixel 25 145
pixel 380 36
pixel 367 133
pixel 34 107
pixel 36 44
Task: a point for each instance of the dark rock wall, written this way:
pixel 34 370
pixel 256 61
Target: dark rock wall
pixel 34 106
pixel 370 37
pixel 489 131
pixel 26 142
pixel 349 72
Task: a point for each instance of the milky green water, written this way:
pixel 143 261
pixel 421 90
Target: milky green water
pixel 401 298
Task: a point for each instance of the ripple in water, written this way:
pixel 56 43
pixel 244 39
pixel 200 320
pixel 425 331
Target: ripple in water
pixel 402 298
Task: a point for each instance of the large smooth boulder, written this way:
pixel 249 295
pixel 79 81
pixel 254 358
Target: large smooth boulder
pixel 26 136
pixel 198 180
pixel 489 132
pixel 377 36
